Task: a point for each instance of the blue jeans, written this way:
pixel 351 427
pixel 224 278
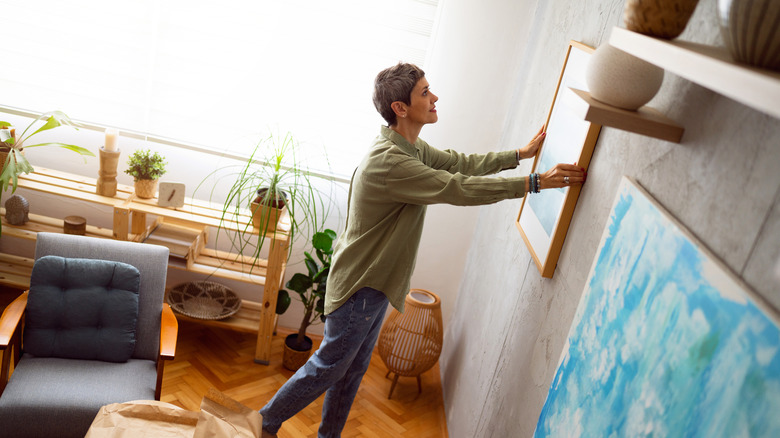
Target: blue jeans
pixel 337 366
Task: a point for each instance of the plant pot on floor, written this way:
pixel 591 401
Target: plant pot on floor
pixel 146 188
pixel 294 357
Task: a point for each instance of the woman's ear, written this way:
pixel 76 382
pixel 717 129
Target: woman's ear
pixel 399 108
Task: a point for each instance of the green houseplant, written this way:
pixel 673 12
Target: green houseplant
pixel 275 176
pixel 146 168
pixel 310 288
pixel 12 146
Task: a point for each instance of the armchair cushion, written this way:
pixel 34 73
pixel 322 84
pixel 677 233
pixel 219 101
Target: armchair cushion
pixel 82 309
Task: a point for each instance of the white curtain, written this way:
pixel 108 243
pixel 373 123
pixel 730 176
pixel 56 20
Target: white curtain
pixel 211 73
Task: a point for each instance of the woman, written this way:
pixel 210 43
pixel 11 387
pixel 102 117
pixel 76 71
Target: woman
pixel 374 257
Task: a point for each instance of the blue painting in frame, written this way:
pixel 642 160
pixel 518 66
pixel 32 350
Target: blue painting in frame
pixel 544 218
pixel 665 340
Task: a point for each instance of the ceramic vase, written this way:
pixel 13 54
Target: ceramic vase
pixel 621 80
pixel 751 31
pixel 659 18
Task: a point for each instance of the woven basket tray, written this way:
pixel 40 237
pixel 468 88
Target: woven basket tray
pixel 203 300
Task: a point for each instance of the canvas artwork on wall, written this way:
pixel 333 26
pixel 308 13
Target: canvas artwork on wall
pixel 544 217
pixel 665 341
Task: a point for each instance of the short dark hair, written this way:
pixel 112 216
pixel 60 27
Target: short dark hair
pixel 395 84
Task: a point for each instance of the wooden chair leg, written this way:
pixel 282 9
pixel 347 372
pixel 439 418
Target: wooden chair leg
pixel 419 385
pixel 158 387
pixel 392 387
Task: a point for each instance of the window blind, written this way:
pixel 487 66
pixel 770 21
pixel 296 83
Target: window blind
pixel 214 74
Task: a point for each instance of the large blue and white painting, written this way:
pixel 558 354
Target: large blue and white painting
pixel 665 342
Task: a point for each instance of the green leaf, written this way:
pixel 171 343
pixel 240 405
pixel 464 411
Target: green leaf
pixel 5 135
pixel 322 275
pixel 55 119
pixel 312 267
pixel 323 241
pixel 51 123
pixel 5 124
pixel 283 301
pixel 300 283
pixel 330 233
pixel 15 165
pixel 71 147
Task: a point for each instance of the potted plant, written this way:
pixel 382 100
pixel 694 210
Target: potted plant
pixel 12 147
pixel 146 168
pixel 274 178
pixel 310 288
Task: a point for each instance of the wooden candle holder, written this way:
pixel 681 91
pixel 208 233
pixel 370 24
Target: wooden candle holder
pixel 106 183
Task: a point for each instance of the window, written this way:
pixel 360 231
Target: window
pixel 213 74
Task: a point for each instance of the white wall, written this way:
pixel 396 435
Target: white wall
pixel 509 326
pixel 475 56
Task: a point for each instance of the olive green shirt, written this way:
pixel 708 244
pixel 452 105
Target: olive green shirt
pixel 386 208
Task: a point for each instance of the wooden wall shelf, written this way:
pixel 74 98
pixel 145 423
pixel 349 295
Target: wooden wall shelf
pixel 645 121
pixel 711 67
pixel 184 231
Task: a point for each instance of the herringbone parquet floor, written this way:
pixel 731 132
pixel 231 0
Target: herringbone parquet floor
pixel 223 359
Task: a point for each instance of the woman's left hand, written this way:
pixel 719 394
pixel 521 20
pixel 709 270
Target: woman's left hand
pixel 530 149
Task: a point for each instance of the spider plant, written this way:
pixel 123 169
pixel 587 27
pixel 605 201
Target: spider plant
pixel 274 175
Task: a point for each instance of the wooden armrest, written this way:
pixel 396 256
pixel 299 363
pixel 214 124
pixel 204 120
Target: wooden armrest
pixel 169 332
pixel 9 321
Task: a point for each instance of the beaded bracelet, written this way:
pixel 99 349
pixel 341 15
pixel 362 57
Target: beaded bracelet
pixel 533 185
pixel 538 184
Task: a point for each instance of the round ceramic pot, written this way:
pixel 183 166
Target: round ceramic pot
pixel 658 18
pixel 750 29
pixel 146 188
pixel 621 80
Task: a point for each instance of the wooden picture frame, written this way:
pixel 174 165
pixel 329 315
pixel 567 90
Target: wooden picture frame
pixel 544 217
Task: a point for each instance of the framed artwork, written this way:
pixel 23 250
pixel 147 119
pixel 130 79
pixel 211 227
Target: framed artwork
pixel 666 341
pixel 544 217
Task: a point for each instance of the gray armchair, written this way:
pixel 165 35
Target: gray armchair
pixel 92 330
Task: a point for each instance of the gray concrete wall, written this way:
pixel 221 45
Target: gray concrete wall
pixel 722 182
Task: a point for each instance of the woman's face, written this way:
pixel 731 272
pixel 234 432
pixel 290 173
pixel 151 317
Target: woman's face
pixel 423 106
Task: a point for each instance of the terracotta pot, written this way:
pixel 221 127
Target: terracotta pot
pixel 294 358
pixel 658 18
pixel 263 213
pixel 146 188
pixel 750 31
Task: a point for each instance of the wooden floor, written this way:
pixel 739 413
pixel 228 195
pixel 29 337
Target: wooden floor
pixel 223 359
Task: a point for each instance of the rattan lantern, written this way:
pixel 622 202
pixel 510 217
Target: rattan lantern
pixel 410 342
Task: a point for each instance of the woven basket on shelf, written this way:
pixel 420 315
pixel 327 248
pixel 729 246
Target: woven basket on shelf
pixel 658 18
pixel 203 300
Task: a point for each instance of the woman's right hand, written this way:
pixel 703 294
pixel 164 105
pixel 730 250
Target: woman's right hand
pixel 562 175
